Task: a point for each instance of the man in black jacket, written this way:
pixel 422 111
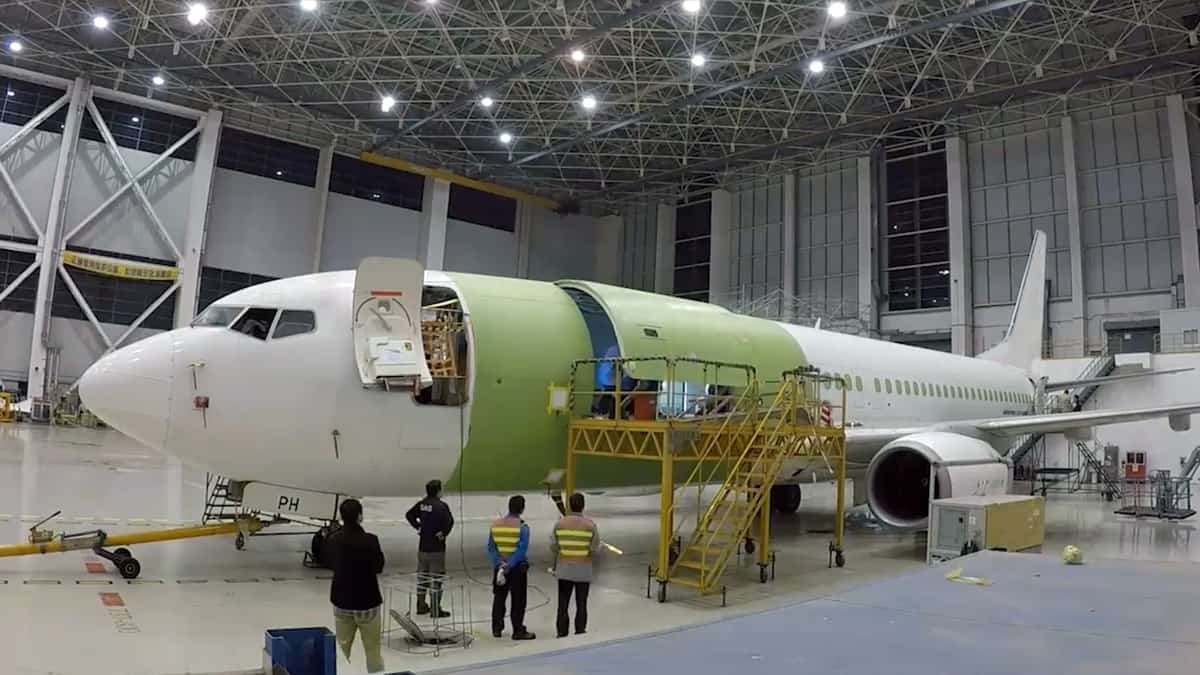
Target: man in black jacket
pixel 356 559
pixel 432 518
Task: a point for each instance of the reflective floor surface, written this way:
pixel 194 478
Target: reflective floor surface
pixel 201 606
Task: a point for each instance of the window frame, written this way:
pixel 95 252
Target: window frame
pixel 270 327
pixel 279 316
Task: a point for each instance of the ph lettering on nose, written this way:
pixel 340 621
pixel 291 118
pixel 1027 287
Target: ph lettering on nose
pixel 289 504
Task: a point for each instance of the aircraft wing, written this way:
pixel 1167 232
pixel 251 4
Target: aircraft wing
pixel 1059 422
pixel 1072 384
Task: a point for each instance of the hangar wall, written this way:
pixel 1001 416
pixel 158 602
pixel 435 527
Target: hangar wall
pixel 1100 181
pixel 273 209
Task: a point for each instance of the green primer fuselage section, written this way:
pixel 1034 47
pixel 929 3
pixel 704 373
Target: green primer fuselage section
pixel 526 335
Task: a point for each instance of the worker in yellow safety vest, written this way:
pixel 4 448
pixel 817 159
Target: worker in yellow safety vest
pixel 508 547
pixel 575 542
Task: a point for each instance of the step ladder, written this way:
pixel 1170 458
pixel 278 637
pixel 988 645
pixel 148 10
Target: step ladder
pixel 740 501
pixel 1112 487
pixel 220 505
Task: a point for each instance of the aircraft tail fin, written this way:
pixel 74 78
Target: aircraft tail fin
pixel 1022 343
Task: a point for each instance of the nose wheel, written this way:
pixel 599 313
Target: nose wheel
pixel 240 542
pixel 122 559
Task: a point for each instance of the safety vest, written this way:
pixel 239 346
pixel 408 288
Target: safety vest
pixel 506 532
pixel 574 535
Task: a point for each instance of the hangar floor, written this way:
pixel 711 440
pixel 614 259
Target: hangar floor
pixel 201 606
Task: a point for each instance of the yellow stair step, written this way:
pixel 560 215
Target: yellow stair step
pixel 692 565
pixel 690 583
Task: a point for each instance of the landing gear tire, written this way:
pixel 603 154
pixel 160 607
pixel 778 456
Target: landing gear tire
pixel 786 498
pixel 839 559
pixel 749 546
pixel 240 542
pixel 122 553
pixel 315 546
pixel 129 568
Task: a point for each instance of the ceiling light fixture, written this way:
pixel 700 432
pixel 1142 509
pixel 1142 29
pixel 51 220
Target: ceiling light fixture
pixel 387 103
pixel 577 55
pixel 278 172
pixel 100 21
pixel 691 6
pixel 837 9
pixel 816 66
pixel 486 101
pixel 135 120
pixel 11 93
pixel 588 102
pixel 15 46
pixel 197 13
pixel 308 5
pixel 698 60
pixel 505 137
pixel 158 80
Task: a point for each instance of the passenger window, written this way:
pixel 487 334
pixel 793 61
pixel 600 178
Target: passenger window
pixel 877 389
pixel 256 322
pixel 858 382
pixel 924 391
pixel 907 388
pixel 294 322
pixel 888 384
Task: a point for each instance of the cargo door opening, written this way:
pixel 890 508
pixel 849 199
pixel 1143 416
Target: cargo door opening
pixel 446 344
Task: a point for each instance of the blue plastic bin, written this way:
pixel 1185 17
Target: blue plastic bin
pixel 300 651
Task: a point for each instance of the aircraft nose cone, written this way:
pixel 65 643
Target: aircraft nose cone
pixel 130 389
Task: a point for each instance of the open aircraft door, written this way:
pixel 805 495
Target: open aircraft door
pixel 387 323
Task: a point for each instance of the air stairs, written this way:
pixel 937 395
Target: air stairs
pixel 220 504
pixel 1100 366
pixel 738 443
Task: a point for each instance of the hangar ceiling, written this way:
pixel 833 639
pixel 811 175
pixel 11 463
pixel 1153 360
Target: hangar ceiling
pixel 659 121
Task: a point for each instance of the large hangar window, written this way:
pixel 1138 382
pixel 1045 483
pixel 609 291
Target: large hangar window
pixel 21 101
pixel 916 228
pixel 267 157
pixel 356 178
pixel 482 208
pixel 216 283
pixel 12 265
pixel 693 230
pixel 140 129
pixel 114 300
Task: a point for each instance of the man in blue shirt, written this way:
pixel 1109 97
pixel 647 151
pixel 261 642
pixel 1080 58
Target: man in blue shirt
pixel 508 547
pixel 606 381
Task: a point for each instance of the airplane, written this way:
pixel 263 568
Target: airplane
pixel 310 388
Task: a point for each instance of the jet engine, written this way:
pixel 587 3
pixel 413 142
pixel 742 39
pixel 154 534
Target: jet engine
pixel 897 479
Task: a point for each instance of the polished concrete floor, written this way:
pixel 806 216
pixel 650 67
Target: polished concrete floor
pixel 201 606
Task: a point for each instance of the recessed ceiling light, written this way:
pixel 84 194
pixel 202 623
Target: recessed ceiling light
pixel 698 59
pixel 577 55
pixel 15 46
pixel 816 66
pixel 197 13
pixel 486 101
pixel 387 103
pixel 505 137
pixel 135 120
pixel 278 172
pixel 589 102
pixel 158 80
pixel 837 9
pixel 11 93
pixel 308 5
pixel 375 195
pixel 100 21
pixel 431 2
pixel 691 6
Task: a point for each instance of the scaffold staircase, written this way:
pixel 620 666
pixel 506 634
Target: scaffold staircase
pixel 220 506
pixel 732 445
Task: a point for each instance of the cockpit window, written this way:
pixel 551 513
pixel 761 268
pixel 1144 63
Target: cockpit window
pixel 217 316
pixel 294 322
pixel 256 322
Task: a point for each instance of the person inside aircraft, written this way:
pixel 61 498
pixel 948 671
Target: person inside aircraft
pixel 604 402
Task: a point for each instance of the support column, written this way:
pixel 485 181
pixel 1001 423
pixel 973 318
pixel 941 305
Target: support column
pixel 1185 199
pixel 788 273
pixel 608 250
pixel 321 209
pixel 962 301
pixel 205 166
pixel 50 246
pixel 664 250
pixel 1075 233
pixel 867 269
pixel 524 232
pixel 720 231
pixel 431 241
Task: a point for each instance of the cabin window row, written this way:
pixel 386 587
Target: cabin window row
pixel 930 389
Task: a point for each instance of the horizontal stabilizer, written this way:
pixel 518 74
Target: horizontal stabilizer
pixel 1071 384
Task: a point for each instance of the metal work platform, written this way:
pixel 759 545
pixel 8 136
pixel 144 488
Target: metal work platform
pixel 1037 616
pixel 709 424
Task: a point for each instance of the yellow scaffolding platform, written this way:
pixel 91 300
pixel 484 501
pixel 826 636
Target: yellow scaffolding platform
pixel 739 437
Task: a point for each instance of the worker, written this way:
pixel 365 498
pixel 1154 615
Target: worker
pixel 575 541
pixel 356 559
pixel 508 547
pixel 605 403
pixel 432 518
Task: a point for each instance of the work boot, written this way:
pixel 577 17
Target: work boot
pixel 422 608
pixel 440 613
pixel 524 635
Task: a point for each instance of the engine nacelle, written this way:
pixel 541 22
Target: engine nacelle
pixel 897 479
